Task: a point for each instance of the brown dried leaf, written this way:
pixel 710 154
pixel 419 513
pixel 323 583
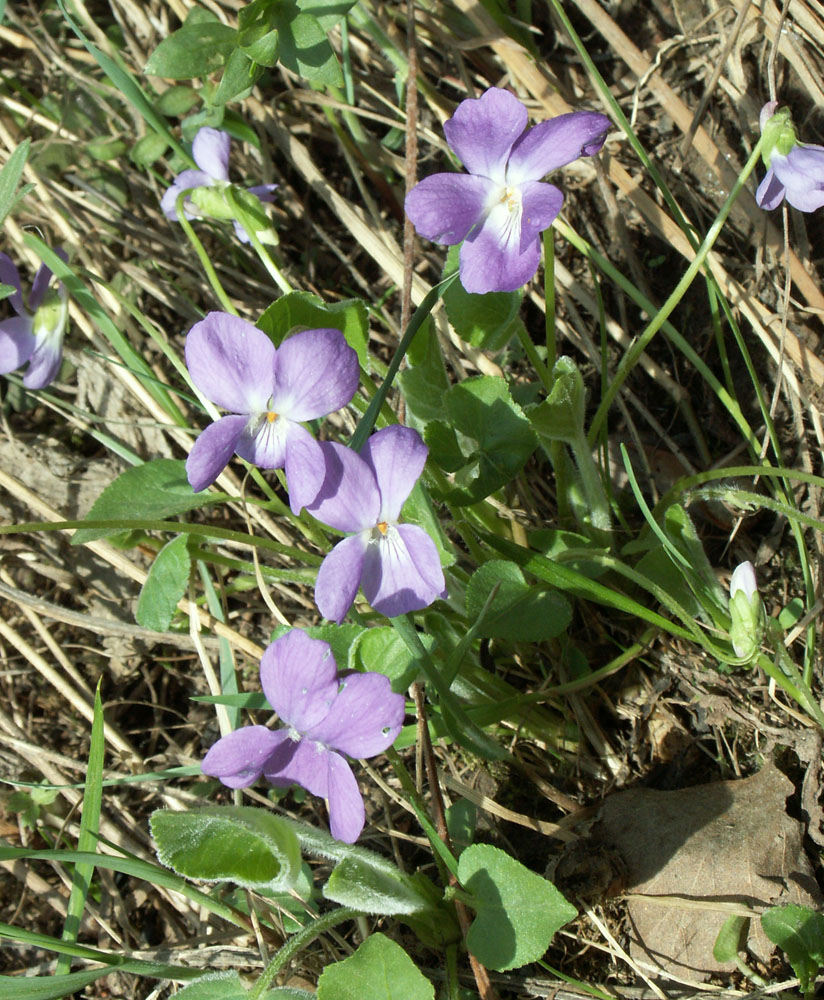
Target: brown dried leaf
pixel 726 842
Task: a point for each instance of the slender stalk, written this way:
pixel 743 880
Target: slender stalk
pixel 203 257
pixel 297 943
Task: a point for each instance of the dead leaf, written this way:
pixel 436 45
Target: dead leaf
pixel 728 842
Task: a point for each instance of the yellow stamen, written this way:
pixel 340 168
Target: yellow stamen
pixel 271 416
pixel 382 527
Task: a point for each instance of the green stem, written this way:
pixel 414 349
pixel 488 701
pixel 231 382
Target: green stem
pixel 367 421
pixel 637 349
pixel 549 297
pixel 297 943
pixel 203 257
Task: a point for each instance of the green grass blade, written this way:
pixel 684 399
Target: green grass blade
pixel 89 827
pixel 145 870
pixel 10 177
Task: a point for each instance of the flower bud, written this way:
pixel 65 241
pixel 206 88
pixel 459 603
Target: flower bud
pixel 746 612
pixel 778 131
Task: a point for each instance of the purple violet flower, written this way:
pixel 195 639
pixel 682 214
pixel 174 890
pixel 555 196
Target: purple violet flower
pixel 34 334
pixel 210 151
pixel 795 170
pixel 362 494
pixel 356 714
pixel 500 207
pixel 269 392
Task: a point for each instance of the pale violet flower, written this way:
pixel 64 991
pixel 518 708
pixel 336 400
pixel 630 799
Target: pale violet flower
pixel 326 716
pixel 36 333
pixel 397 565
pixel 210 151
pixel 746 612
pixel 501 206
pixel 269 392
pixel 795 170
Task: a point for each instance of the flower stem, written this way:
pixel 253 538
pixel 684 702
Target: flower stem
pixel 549 297
pixel 203 257
pixel 298 943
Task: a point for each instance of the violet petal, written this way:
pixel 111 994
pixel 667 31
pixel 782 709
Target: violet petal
pixel 299 677
pixel 210 150
pixel 346 812
pixel 540 204
pixel 41 281
pixel 770 192
pixel 491 259
pixel 266 192
pixel 183 182
pixel 231 362
pixel 483 131
pixel 402 572
pixel 16 342
pixel 554 143
pixel 802 174
pixel 301 763
pixel 396 456
pixel 316 372
pixel 9 275
pixel 339 577
pixel 263 442
pixel 212 450
pixel 445 207
pixel 238 759
pixel 45 362
pixel 365 717
pixel 305 467
pixel 349 499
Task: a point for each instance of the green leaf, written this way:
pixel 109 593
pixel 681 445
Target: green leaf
pixel 252 847
pixel 152 491
pixel 177 100
pixel 228 986
pixel 731 939
pixel 518 912
pixel 164 586
pixel 239 76
pixel 306 311
pixel 106 147
pixel 6 291
pixel 488 430
pixel 327 12
pixel 10 177
pixel 561 416
pixel 375 886
pixel 425 382
pixel 148 149
pixel 304 47
pixel 799 932
pixel 519 611
pixel 382 651
pixel 484 321
pixel 193 50
pixel 379 970
pixel 264 49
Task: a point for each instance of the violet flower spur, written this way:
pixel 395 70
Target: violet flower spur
pixel 795 170
pixel 269 392
pixel 500 207
pixel 327 715
pixel 397 565
pixel 210 150
pixel 36 333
